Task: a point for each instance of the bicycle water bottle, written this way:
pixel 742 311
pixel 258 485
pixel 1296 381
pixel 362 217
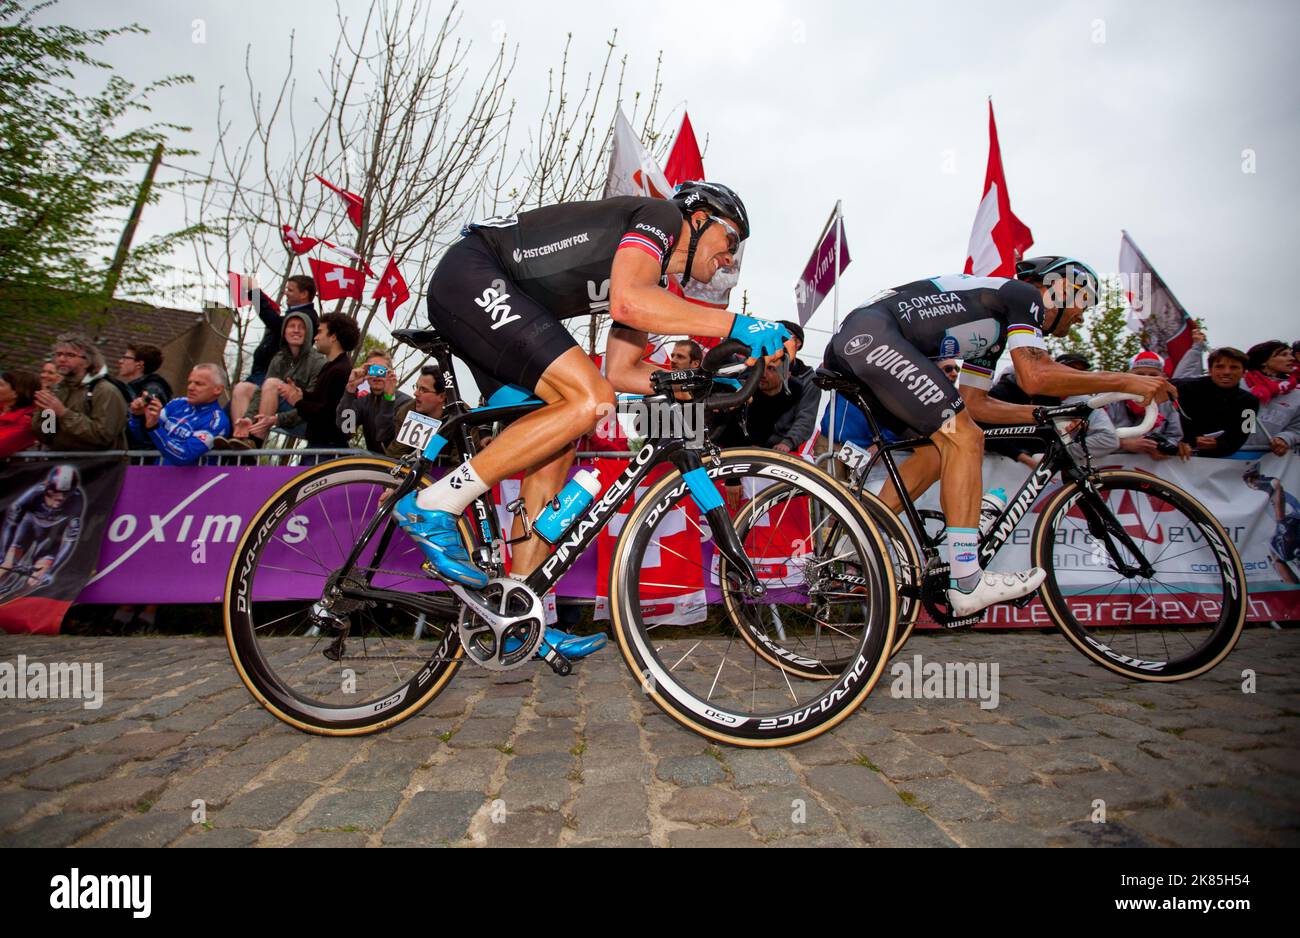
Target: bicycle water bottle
pixel 991 506
pixel 561 511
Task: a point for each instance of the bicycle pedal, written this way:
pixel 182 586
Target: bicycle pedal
pixel 559 664
pixel 1024 601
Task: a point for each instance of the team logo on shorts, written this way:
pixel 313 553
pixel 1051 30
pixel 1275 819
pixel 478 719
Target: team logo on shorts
pixel 949 347
pixel 857 344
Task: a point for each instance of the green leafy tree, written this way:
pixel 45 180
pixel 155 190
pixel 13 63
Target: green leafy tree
pixel 70 163
pixel 1103 336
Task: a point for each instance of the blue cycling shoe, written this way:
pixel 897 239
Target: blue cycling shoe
pixel 567 644
pixel 439 538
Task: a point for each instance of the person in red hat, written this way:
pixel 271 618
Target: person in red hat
pixel 1162 440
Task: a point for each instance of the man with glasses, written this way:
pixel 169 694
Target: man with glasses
pixel 500 296
pixel 137 372
pixel 951 368
pixel 84 411
pixel 137 368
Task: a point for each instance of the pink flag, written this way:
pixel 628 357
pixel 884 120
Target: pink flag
pixel 998 239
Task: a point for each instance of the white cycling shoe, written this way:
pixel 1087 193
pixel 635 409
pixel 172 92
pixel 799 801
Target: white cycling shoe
pixel 995 588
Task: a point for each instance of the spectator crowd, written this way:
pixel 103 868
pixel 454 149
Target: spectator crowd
pixel 304 385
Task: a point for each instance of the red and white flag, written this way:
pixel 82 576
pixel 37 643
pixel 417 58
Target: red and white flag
pixel 632 170
pixel 240 284
pixel 350 255
pixel 353 201
pixel 336 282
pixel 1154 312
pixel 296 242
pixel 392 288
pixel 998 239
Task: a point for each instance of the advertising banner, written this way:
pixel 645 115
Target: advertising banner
pixel 52 520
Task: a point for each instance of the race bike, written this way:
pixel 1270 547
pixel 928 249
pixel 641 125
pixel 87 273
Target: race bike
pixel 1141 577
pixel 336 629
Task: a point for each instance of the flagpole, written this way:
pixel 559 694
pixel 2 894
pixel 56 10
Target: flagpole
pixel 835 310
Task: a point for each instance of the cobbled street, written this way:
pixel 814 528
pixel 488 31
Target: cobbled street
pixel 529 758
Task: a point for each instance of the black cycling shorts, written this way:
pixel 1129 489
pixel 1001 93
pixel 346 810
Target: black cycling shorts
pixel 503 335
pixel 911 387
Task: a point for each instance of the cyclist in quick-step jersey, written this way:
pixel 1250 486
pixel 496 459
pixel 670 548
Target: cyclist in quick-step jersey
pixel 498 297
pixel 890 344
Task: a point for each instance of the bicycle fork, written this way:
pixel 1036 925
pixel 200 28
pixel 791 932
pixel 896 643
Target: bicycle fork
pixel 725 538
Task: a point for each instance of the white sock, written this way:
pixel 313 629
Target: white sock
pixel 963 556
pixel 454 491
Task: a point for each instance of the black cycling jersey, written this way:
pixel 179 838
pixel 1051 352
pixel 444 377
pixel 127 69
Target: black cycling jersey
pixel 39 530
pixel 891 341
pixel 498 294
pixel 561 255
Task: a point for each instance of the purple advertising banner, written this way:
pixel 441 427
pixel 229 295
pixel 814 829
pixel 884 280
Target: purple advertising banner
pixel 819 275
pixel 173 532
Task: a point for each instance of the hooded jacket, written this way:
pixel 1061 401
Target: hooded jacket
pixel 302 370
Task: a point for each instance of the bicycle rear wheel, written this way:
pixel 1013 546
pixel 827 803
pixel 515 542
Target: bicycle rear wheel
pixel 825 601
pixel 1175 619
pixel 376 664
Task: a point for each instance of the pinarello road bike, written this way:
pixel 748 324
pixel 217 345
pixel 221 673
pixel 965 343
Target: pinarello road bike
pixel 335 628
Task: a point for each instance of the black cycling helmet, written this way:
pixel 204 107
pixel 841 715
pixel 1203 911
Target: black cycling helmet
pixel 717 200
pixel 714 198
pixel 1077 274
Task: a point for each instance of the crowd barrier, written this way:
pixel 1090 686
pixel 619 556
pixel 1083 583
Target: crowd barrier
pixel 171 534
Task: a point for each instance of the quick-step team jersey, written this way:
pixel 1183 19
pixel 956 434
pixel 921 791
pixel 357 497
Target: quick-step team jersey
pixel 971 318
pixel 31 520
pixel 561 255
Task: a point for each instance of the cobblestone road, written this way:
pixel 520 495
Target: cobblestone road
pixel 533 759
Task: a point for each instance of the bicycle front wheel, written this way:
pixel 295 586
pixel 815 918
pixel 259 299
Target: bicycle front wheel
pixel 1141 578
pixel 824 600
pixel 372 664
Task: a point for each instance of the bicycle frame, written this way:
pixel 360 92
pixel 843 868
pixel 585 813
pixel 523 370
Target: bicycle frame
pixel 512 403
pixel 1102 523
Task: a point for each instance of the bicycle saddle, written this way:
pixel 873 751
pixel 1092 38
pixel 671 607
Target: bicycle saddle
pixel 423 339
pixel 830 380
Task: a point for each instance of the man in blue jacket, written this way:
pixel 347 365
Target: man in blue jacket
pixel 184 429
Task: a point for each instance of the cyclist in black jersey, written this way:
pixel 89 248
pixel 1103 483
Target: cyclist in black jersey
pixel 890 344
pixel 498 296
pixel 42 526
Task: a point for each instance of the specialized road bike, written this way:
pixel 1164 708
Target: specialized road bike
pixel 1141 577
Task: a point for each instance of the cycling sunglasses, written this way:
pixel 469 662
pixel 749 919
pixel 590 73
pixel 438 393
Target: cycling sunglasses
pixel 733 236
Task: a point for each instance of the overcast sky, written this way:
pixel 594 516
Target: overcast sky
pixel 1111 115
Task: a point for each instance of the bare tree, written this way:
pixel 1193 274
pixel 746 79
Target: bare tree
pixel 404 122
